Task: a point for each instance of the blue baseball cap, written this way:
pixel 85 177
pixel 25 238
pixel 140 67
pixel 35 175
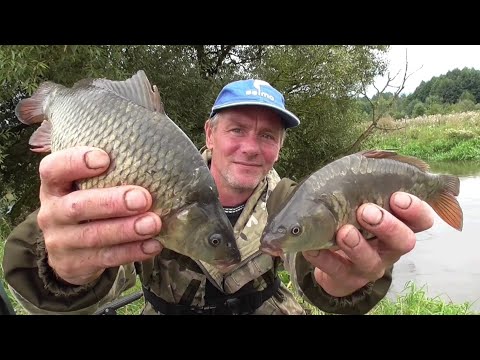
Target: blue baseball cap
pixel 254 92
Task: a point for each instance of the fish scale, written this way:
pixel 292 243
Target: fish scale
pixel 330 197
pixel 146 148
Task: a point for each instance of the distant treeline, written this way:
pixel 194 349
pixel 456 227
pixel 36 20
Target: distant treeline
pixel 456 91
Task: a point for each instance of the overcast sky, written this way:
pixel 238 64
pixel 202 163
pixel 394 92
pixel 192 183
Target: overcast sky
pixel 427 61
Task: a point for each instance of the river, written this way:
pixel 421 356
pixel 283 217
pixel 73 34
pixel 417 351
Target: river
pixel 446 262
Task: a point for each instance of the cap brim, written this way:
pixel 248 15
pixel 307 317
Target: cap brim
pixel 289 119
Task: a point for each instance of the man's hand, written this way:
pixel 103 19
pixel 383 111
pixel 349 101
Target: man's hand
pixel 87 231
pixel 359 261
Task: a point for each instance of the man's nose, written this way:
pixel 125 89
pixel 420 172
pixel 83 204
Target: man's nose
pixel 251 145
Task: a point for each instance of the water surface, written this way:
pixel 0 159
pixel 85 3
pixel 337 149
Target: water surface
pixel 444 261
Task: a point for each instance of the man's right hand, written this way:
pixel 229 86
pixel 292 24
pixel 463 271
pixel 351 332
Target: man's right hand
pixel 87 231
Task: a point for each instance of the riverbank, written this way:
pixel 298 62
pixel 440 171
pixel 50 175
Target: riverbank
pixel 452 137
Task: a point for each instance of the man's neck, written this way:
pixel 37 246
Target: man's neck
pixel 233 198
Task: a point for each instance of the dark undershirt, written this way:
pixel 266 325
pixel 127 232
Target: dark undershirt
pixel 233 213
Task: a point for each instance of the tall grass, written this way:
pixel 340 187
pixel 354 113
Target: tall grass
pixel 452 137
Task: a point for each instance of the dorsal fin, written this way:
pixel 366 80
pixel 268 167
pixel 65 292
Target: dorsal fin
pixel 137 89
pixel 388 154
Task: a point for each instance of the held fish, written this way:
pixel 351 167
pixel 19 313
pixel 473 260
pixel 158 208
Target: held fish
pixel 146 148
pixel 329 198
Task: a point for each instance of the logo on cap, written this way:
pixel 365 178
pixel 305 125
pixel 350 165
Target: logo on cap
pixel 256 85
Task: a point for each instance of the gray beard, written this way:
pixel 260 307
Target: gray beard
pixel 239 187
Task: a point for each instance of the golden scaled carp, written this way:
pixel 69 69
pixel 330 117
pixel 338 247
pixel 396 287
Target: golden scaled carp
pixel 127 120
pixel 329 198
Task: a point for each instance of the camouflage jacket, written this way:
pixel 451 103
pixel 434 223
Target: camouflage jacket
pixel 177 278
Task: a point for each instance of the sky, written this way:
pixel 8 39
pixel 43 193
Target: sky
pixel 425 62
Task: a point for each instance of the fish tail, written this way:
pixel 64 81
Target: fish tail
pixel 445 204
pixel 30 111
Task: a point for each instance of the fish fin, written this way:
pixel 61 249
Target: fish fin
pixel 388 154
pixel 137 89
pixel 30 110
pixel 451 183
pixel 448 208
pixel 41 138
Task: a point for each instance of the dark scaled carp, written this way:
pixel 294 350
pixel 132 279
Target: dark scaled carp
pixel 128 121
pixel 329 198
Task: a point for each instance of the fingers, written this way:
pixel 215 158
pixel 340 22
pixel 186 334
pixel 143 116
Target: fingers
pixel 335 273
pixel 394 235
pixel 94 204
pixel 358 258
pixel 80 253
pixel 106 233
pixel 88 265
pixel 359 261
pixel 127 253
pixel 59 169
pixel 417 214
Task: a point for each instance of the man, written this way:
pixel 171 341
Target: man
pixel 55 266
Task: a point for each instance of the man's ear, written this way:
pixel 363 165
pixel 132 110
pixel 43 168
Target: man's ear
pixel 278 154
pixel 208 134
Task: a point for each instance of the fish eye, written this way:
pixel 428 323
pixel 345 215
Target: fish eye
pixel 215 240
pixel 296 230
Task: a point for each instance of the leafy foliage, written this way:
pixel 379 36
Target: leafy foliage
pixel 320 84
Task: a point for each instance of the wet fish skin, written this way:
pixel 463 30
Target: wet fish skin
pixel 329 198
pixel 146 148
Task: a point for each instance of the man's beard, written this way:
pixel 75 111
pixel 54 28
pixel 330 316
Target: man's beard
pixel 246 184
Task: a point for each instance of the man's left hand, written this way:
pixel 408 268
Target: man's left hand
pixel 358 261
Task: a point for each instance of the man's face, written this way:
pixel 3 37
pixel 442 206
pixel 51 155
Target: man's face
pixel 245 144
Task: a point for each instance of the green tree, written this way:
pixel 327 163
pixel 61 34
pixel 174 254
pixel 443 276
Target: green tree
pixel 433 105
pixel 467 95
pixel 320 84
pixel 418 109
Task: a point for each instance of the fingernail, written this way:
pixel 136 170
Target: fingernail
pixel 372 215
pixel 96 159
pixel 351 239
pixel 151 247
pixel 135 200
pixel 312 253
pixel 402 200
pixel 145 225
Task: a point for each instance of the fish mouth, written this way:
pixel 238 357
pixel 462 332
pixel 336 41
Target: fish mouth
pixel 226 265
pixel 230 260
pixel 271 249
pixel 270 244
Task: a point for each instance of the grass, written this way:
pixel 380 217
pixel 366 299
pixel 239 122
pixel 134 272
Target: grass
pixel 412 301
pixel 452 137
